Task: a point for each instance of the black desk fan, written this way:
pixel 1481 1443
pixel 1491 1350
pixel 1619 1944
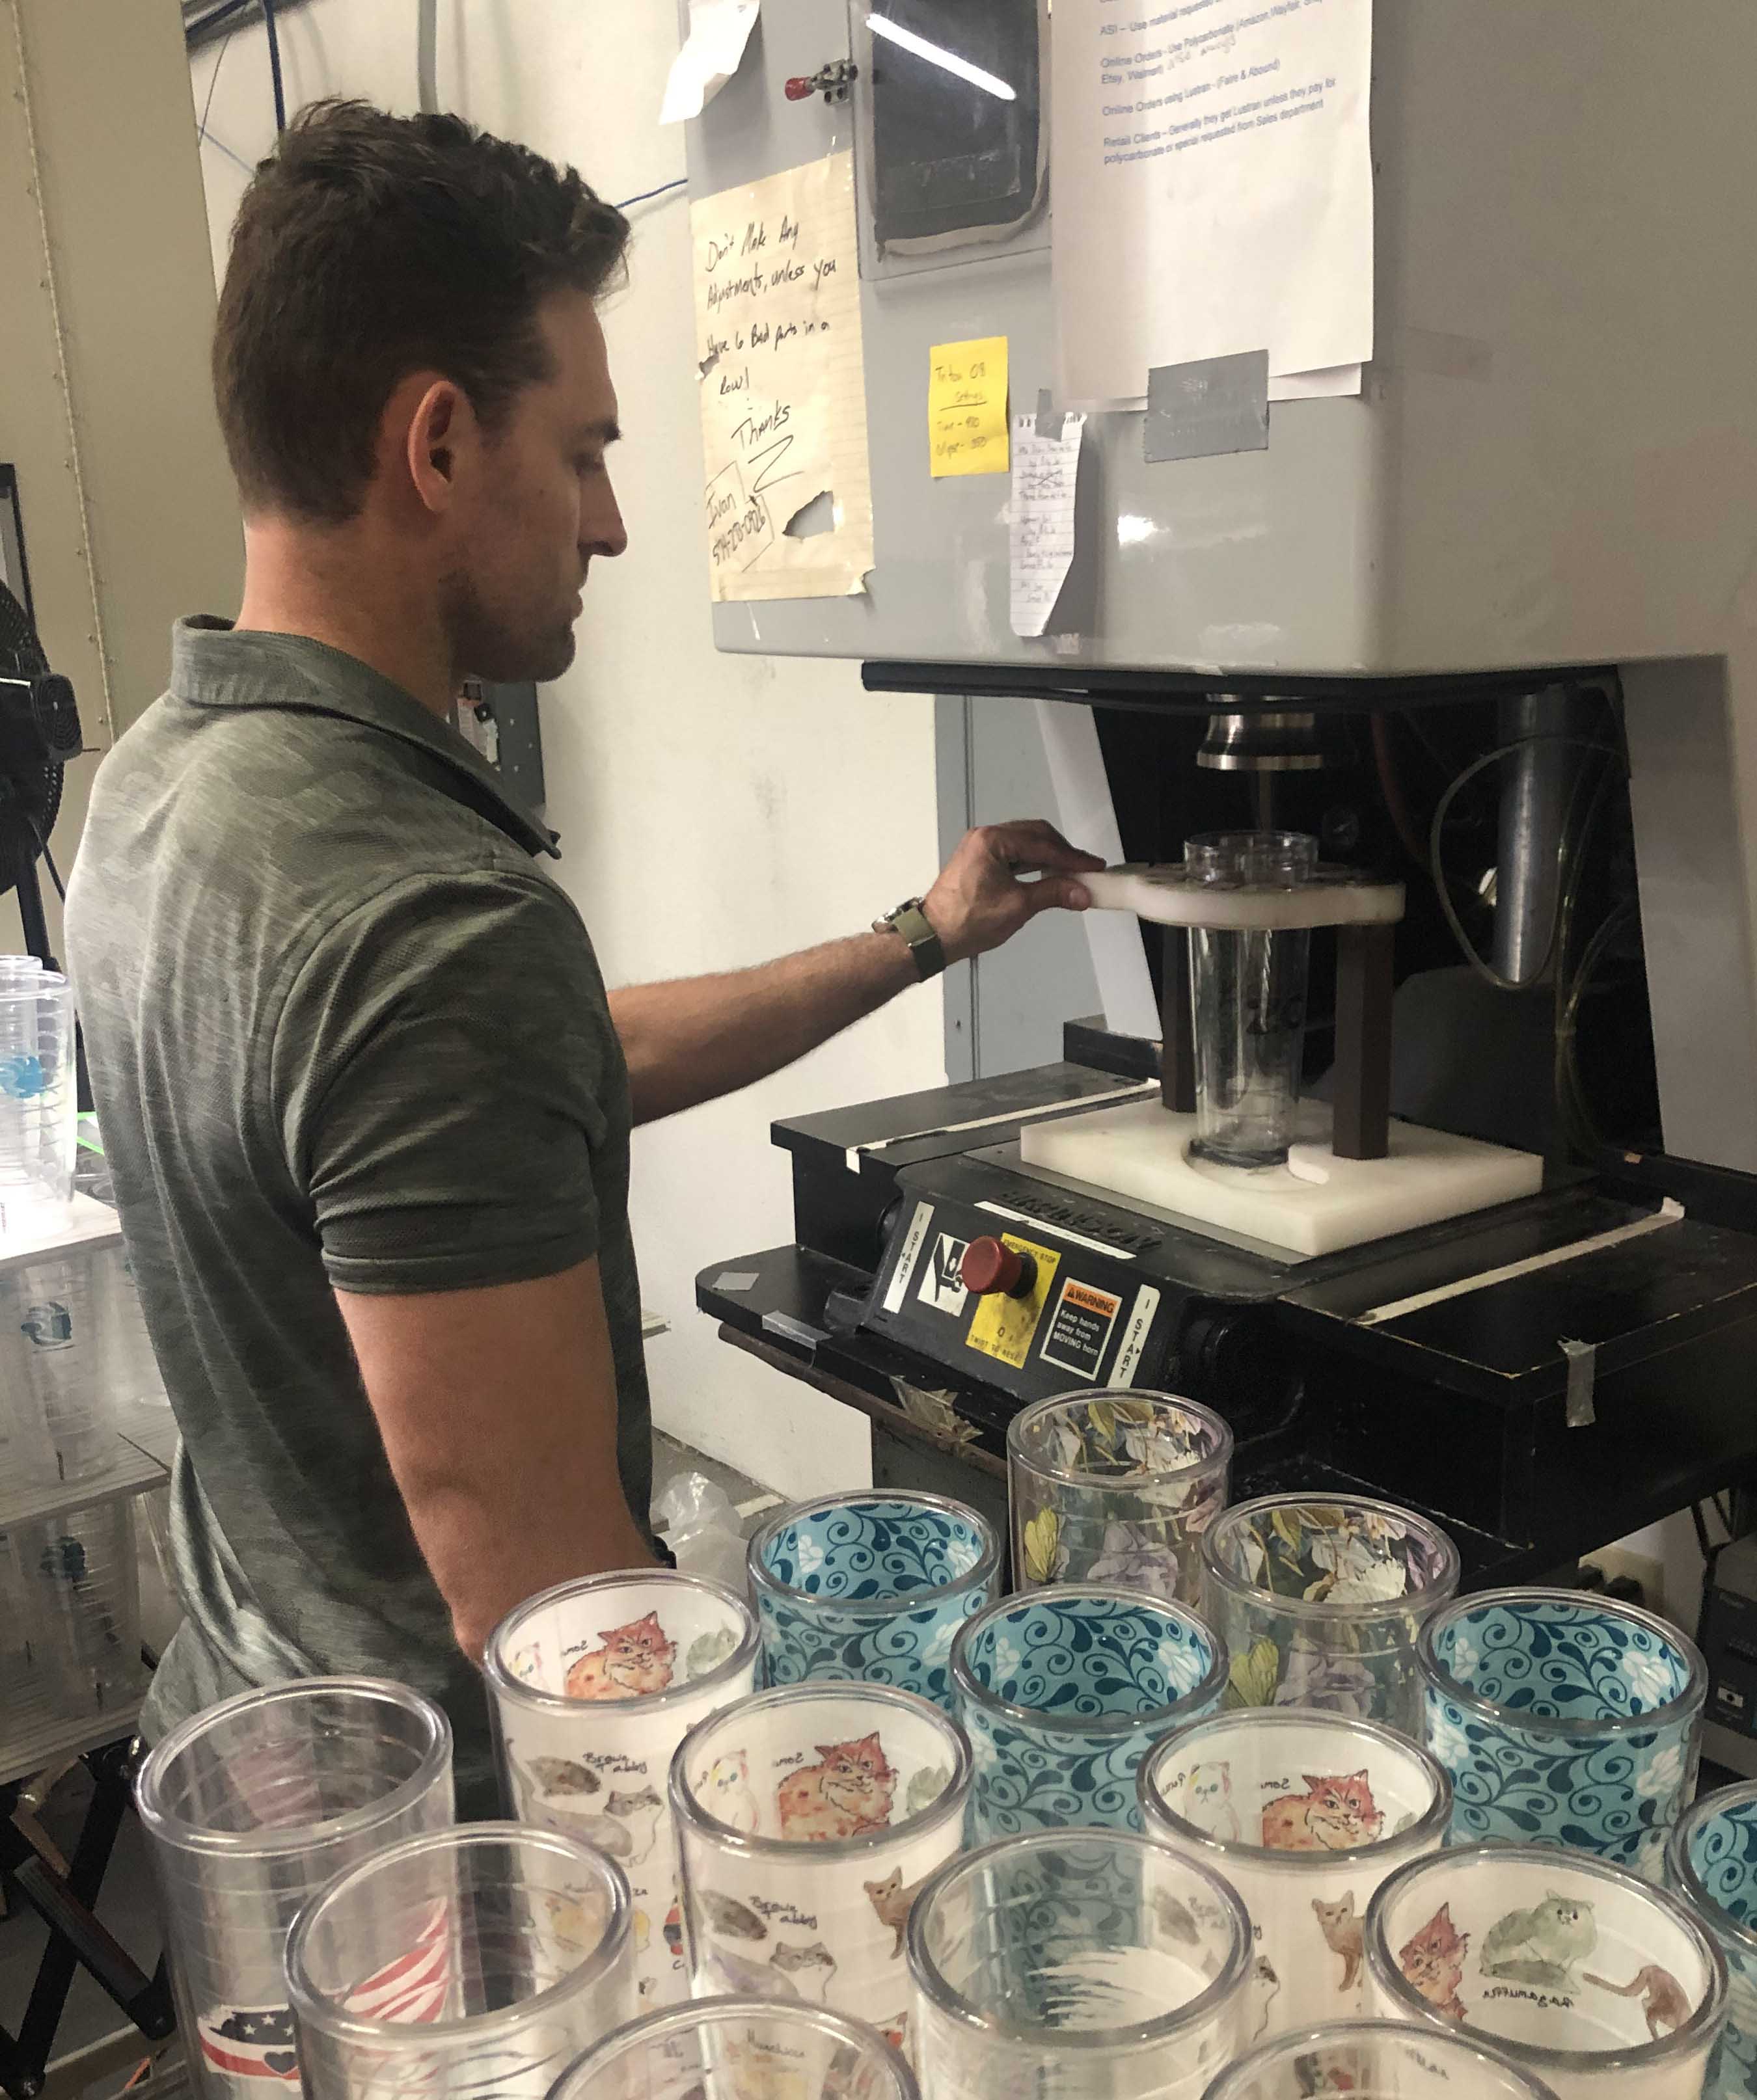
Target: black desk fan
pixel 39 732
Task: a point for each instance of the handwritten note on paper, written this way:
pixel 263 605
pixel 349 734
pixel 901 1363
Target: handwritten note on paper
pixel 1045 475
pixel 967 406
pixel 788 498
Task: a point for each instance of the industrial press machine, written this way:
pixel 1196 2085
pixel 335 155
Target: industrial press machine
pixel 1486 632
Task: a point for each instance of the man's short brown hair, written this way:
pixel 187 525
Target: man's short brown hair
pixel 369 246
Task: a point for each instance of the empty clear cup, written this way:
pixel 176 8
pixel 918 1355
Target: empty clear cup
pixel 1247 1001
pixel 38 1102
pixel 54 1313
pixel 1376 2060
pixel 249 1809
pixel 740 2048
pixel 476 1961
pixel 87 1580
pixel 130 1370
pixel 28 1675
pixel 1076 1965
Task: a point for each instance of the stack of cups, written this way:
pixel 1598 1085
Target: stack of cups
pixel 51 1317
pixel 130 1369
pixel 38 1100
pixel 249 1809
pixel 83 1567
pixel 32 1683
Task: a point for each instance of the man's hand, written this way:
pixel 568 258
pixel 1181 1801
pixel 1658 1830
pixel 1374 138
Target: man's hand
pixel 979 901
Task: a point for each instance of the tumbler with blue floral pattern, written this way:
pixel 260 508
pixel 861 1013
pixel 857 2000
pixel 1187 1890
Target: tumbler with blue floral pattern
pixel 1564 1719
pixel 871 1588
pixel 1062 1692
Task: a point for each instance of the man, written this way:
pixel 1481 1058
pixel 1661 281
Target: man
pixel 366 1100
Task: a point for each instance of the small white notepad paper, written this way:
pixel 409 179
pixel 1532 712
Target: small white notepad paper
pixel 1045 477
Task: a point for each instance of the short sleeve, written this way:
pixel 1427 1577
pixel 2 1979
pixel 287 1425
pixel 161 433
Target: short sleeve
pixel 444 1072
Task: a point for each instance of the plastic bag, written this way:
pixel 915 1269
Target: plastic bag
pixel 702 1529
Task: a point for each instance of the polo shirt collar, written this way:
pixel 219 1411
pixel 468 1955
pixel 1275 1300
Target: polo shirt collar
pixel 214 665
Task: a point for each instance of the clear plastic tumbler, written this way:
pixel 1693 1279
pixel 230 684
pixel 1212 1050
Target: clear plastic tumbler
pixel 38 1100
pixel 53 1311
pixel 741 2048
pixel 1247 1000
pixel 478 1961
pixel 1077 1965
pixel 250 1808
pixel 83 1566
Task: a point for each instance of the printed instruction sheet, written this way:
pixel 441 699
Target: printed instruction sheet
pixel 1212 177
pixel 788 500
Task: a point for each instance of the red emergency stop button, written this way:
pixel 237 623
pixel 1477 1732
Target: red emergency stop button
pixel 989 1265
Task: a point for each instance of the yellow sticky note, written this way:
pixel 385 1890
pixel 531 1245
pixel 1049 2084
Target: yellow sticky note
pixel 967 406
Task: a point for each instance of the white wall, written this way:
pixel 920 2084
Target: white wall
pixel 713 809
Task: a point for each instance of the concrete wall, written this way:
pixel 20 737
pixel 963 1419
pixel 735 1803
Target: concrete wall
pixel 713 809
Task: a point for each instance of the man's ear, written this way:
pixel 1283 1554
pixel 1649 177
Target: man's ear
pixel 440 421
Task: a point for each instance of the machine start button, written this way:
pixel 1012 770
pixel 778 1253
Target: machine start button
pixel 988 1265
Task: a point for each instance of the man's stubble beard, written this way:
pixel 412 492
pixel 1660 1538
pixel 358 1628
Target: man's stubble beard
pixel 483 646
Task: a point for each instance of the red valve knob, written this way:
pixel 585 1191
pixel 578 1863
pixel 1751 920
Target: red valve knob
pixel 798 89
pixel 989 1265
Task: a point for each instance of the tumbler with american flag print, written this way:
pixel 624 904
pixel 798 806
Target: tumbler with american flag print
pixel 475 1961
pixel 251 1807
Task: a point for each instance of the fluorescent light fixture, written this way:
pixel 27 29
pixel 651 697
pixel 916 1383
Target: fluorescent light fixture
pixel 937 55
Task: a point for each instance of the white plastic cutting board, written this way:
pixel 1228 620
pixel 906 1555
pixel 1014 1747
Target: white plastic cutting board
pixel 1313 1204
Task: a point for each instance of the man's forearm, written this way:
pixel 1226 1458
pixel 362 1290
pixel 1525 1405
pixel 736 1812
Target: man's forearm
pixel 698 1038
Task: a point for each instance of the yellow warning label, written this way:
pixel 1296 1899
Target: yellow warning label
pixel 1003 1327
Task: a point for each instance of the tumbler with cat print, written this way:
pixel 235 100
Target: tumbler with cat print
pixel 871 1588
pixel 478 1961
pixel 594 1683
pixel 1319 1600
pixel 1116 1487
pixel 1376 2060
pixel 1603 1986
pixel 1711 1862
pixel 1564 1719
pixel 741 2048
pixel 808 1818
pixel 1305 1815
pixel 1077 1965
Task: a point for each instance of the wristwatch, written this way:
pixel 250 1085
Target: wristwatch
pixel 910 922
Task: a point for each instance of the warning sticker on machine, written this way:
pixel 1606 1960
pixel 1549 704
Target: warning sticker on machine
pixel 942 1278
pixel 1004 1327
pixel 1080 1328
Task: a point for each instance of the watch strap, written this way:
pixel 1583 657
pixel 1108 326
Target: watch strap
pixel 913 927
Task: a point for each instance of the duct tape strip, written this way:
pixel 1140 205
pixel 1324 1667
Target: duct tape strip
pixel 1049 417
pixel 1669 1213
pixel 1582 1374
pixel 1109 1098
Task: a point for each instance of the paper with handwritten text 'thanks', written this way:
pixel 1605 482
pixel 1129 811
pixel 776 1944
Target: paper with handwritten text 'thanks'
pixel 782 385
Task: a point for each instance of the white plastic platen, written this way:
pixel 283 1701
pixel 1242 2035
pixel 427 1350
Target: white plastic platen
pixel 1162 895
pixel 1316 1204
